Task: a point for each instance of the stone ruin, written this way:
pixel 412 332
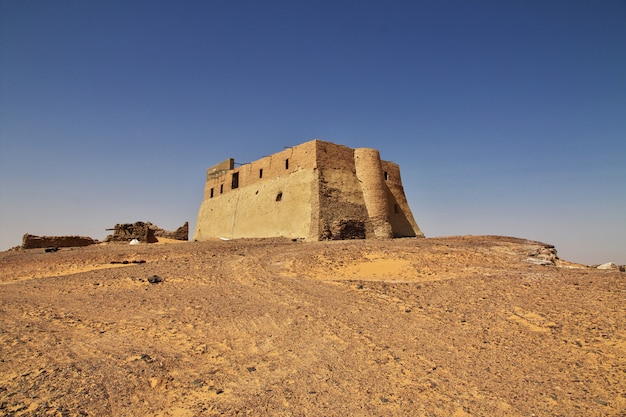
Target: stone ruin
pixel 37 242
pixel 146 232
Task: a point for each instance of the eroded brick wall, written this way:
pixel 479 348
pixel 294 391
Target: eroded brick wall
pixel 34 242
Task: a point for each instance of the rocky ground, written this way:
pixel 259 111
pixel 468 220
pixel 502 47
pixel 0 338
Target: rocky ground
pixel 460 326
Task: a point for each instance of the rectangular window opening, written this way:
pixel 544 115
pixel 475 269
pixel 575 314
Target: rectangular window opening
pixel 211 193
pixel 221 188
pixel 261 173
pixel 287 163
pixel 386 175
pixel 235 181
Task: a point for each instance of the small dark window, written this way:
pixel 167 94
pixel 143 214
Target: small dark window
pixel 221 188
pixel 235 182
pixel 211 193
pixel 261 173
pixel 287 163
pixel 386 175
pixel 279 196
pixel 396 209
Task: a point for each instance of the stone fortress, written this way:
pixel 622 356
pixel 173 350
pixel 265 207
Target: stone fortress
pixel 314 191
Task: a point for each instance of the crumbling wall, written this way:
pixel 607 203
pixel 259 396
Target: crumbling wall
pixel 182 233
pixel 340 194
pixel 33 242
pixel 145 232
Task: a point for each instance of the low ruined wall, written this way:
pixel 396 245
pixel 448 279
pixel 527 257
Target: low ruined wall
pixel 125 232
pixel 182 233
pixel 35 242
pixel 146 232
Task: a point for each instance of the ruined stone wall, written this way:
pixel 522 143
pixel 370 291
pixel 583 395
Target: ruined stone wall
pixel 341 197
pixel 146 232
pixel 125 232
pixel 34 242
pixel 182 233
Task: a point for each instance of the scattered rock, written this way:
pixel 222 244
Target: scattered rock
pixel 125 262
pixel 544 255
pixel 608 265
pixel 539 261
pixel 52 249
pixel 155 279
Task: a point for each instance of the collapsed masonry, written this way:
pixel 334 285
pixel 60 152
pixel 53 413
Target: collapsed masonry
pixel 37 242
pixel 314 191
pixel 146 232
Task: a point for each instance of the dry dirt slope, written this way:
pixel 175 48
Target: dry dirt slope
pixel 434 327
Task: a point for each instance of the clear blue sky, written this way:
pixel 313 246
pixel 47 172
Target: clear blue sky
pixel 506 117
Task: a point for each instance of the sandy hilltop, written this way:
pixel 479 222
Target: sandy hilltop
pixel 457 326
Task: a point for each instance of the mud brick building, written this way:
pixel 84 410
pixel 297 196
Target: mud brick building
pixel 314 191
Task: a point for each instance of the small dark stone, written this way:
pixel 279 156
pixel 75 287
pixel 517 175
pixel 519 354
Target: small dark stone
pixel 219 391
pixel 146 357
pixel 141 261
pixel 154 279
pixel 251 369
pixel 125 262
pixel 52 249
pixel 384 400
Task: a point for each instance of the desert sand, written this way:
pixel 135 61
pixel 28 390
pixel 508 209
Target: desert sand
pixel 458 326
